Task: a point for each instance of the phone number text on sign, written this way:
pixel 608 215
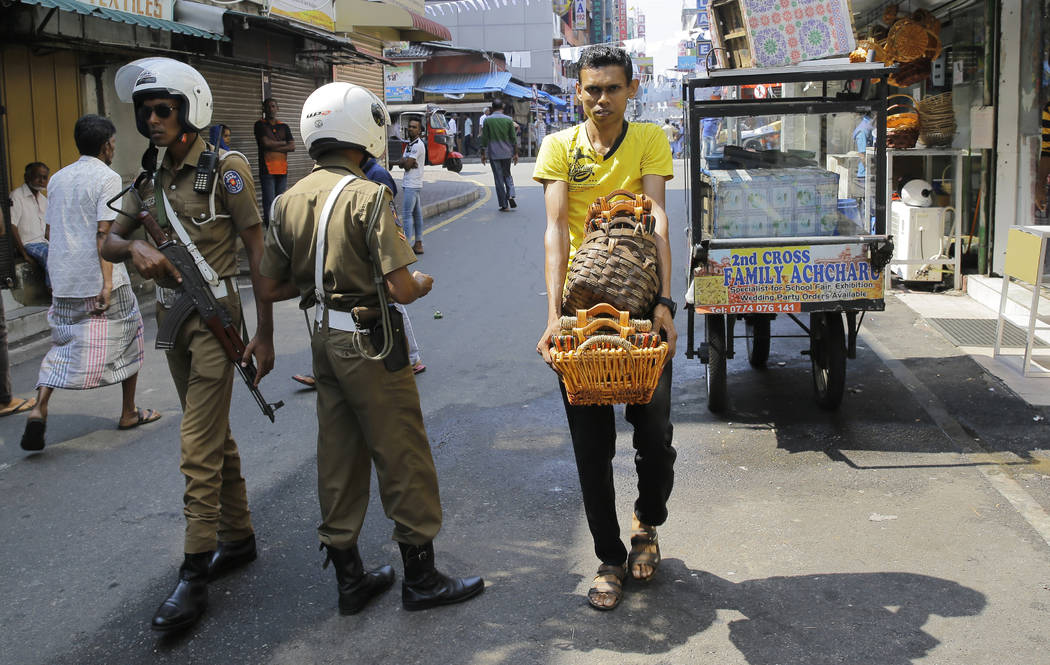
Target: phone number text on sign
pixel 782 279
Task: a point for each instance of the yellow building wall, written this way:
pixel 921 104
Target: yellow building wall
pixel 42 96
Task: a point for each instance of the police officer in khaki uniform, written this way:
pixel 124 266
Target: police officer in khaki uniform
pixel 365 413
pixel 172 104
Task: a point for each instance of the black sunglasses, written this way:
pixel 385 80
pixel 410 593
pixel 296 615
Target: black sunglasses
pixel 162 110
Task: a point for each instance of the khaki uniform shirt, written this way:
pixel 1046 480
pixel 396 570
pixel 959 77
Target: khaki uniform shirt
pixel 234 196
pixel 292 238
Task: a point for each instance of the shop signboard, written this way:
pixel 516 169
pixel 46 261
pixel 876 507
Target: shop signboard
pixel 644 65
pixel 596 21
pixel 161 9
pixel 398 83
pixel 771 280
pixel 687 62
pixel 641 26
pixel 316 13
pixel 622 17
pixel 561 6
pixel 579 14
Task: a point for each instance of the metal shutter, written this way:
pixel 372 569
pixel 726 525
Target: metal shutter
pixel 291 91
pixel 365 75
pixel 237 95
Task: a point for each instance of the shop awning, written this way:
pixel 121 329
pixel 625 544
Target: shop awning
pixel 123 17
pixel 519 91
pixel 458 84
pixel 557 101
pixel 353 14
pixel 337 50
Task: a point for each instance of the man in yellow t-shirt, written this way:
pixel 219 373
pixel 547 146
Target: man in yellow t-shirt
pixel 575 166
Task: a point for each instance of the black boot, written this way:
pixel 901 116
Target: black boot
pixel 232 555
pixel 356 587
pixel 189 598
pixel 425 586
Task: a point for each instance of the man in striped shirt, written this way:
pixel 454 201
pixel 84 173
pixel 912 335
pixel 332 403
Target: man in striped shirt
pixel 1044 163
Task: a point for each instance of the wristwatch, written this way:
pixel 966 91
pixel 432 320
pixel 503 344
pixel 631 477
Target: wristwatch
pixel 668 303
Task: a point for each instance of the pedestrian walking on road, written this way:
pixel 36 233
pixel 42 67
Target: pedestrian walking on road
pixel 96 327
pixel 499 143
pixel 9 404
pixel 337 244
pixel 413 161
pixel 172 106
pixel 275 141
pixel 28 212
pixel 576 166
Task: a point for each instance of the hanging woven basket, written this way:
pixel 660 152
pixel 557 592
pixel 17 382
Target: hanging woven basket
pixel 617 261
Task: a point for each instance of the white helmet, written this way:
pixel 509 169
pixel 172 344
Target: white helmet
pixel 344 115
pixel 917 193
pixel 151 77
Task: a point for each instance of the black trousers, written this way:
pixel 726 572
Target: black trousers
pixel 593 431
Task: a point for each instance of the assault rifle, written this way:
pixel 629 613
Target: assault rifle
pixel 196 297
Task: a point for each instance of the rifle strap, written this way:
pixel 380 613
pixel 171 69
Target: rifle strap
pixel 166 215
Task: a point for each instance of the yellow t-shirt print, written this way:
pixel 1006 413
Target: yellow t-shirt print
pixel 568 156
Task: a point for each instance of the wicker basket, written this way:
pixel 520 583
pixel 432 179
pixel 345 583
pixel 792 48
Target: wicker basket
pixel 617 261
pixel 902 123
pixel 910 40
pixel 937 120
pixel 619 368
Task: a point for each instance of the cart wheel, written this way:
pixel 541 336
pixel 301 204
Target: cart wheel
pixel 715 327
pixel 757 340
pixel 827 352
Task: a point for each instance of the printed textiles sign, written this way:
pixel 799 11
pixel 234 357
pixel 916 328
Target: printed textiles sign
pixel 317 13
pixel 784 279
pixel 152 8
pixel 784 32
pixel 398 83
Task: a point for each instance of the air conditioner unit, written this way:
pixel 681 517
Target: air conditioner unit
pixel 917 236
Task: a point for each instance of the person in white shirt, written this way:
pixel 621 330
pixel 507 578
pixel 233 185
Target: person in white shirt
pixel 28 207
pixel 96 327
pixel 468 130
pixel 415 157
pixel 453 131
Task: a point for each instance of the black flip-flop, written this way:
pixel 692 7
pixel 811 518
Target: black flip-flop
pixel 33 437
pixel 142 416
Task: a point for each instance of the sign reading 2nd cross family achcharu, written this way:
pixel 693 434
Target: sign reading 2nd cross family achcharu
pixel 152 8
pixel 785 279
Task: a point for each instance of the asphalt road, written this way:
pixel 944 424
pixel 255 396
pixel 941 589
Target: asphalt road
pixel 910 526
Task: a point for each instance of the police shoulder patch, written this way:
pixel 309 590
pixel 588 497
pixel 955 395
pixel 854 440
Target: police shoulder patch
pixel 233 181
pixel 393 211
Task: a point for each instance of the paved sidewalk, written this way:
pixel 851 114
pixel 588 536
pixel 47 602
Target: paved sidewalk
pixel 969 324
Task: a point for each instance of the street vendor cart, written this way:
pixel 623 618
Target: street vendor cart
pixel 788 230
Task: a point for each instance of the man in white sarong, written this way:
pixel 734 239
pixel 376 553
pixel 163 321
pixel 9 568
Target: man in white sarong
pixel 96 327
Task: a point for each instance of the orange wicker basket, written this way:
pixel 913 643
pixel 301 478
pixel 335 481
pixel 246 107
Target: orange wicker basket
pixel 622 367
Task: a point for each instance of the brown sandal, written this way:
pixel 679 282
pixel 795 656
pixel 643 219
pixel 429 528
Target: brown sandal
pixel 608 581
pixel 645 549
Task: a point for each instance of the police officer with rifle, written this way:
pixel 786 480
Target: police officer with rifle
pixel 193 207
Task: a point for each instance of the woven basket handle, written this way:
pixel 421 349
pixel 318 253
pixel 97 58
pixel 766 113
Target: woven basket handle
pixel 605 339
pixel 639 325
pixel 598 324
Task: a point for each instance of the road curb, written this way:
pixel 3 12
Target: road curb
pixel 460 201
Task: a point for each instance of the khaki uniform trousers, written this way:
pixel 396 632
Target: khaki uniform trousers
pixel 215 501
pixel 367 415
